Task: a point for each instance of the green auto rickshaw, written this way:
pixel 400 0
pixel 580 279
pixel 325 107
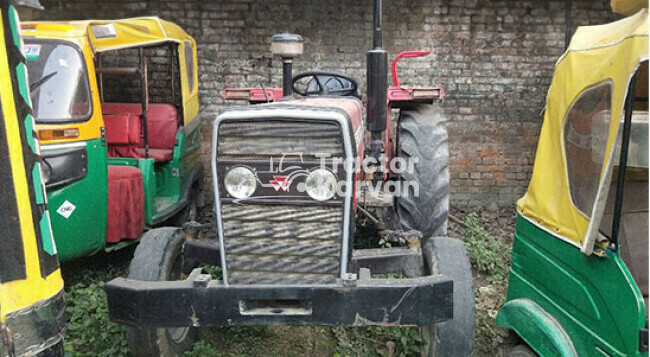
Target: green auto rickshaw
pixel 116 107
pixel 579 276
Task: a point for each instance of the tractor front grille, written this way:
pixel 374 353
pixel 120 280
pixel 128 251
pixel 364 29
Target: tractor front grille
pixel 282 244
pixel 255 140
pixel 280 236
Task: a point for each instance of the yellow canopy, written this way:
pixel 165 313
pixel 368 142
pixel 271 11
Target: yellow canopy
pixel 599 63
pixel 628 7
pixel 106 35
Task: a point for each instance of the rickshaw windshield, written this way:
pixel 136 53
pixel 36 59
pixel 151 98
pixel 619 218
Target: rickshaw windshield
pixel 58 82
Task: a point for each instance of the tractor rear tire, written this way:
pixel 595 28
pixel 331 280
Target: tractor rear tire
pixel 455 337
pixel 422 138
pixel 159 257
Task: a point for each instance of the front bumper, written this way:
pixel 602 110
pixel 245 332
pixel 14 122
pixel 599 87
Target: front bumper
pixel 200 301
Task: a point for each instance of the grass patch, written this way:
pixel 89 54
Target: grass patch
pixel 240 341
pixel 213 270
pixel 488 254
pixel 89 331
pixel 382 341
pixel 490 257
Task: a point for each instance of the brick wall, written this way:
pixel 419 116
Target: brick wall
pixel 494 58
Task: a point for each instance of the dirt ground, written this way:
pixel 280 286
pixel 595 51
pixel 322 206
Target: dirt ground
pixel 490 294
pixel 309 340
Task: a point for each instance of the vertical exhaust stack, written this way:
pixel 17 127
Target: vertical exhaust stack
pixel 377 82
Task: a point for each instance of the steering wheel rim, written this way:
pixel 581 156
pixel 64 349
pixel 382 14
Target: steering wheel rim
pixel 322 89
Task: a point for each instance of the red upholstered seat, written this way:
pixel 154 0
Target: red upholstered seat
pixel 122 134
pixel 125 216
pixel 162 125
pixel 160 155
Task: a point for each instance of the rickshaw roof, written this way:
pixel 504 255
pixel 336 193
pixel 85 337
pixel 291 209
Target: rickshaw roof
pixel 608 53
pixel 106 35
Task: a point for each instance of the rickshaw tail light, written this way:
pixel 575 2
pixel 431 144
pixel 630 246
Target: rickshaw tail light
pixel 58 134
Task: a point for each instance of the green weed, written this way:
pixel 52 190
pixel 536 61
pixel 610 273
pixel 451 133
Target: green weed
pixel 382 341
pixel 488 254
pixel 201 349
pixel 89 332
pixel 213 270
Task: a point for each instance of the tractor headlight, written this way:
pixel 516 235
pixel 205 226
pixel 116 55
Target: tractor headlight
pixel 321 185
pixel 240 182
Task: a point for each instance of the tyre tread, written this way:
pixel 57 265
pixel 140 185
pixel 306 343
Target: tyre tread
pixel 422 135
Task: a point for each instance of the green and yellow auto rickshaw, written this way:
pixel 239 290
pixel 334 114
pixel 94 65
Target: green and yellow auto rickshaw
pixel 579 277
pixel 116 107
pixel 32 317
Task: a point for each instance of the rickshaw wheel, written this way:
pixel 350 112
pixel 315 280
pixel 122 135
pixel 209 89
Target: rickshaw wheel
pixel 159 257
pixel 454 337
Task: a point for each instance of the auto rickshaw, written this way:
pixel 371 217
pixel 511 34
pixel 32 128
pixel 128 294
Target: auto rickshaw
pixel 116 106
pixel 32 308
pixel 579 276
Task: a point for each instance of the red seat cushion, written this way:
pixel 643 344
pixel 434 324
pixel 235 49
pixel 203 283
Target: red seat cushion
pixel 122 129
pixel 160 155
pixel 122 134
pixel 162 121
pixel 125 215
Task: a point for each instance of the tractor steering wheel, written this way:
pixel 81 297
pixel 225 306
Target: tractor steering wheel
pixel 326 83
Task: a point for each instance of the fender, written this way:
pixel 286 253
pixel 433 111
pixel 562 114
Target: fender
pixel 536 327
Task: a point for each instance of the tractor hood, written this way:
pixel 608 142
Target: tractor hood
pixel 599 58
pixel 350 106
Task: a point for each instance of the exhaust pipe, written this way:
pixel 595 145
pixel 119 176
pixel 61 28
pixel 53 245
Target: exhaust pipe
pixel 377 82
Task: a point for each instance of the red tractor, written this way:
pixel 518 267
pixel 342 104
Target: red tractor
pixel 295 180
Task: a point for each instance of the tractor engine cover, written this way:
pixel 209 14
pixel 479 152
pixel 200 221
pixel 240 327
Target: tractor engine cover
pixel 274 167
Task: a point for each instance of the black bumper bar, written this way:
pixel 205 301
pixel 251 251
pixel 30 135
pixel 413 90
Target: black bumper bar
pixel 200 301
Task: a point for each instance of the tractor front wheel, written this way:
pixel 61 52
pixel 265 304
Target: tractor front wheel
pixel 159 257
pixel 423 202
pixel 454 337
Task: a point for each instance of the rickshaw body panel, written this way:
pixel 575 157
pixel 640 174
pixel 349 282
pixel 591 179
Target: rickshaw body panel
pixel 83 231
pixel 32 318
pixel 593 299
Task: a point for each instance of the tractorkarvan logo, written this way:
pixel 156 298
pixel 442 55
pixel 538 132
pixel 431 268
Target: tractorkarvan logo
pixel 284 173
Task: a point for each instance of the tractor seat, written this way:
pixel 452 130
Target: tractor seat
pixel 125 214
